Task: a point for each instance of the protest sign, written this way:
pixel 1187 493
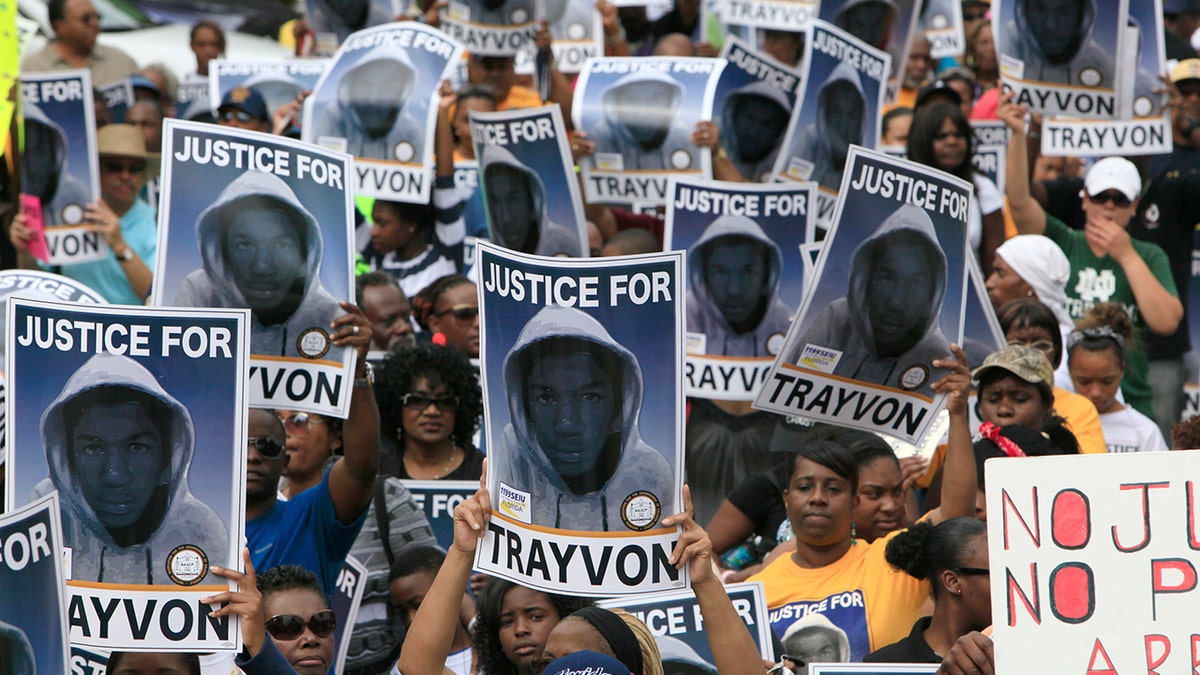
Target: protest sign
pixel 117 97
pixel 279 82
pixel 1143 126
pixel 752 106
pixel 991 149
pixel 582 365
pixel 114 408
pixel 789 15
pixel 941 22
pixel 872 668
pixel 59 163
pixel 490 28
pixel 886 25
pixel 33 609
pixel 437 499
pixel 192 101
pixel 640 113
pixel 347 595
pixel 378 101
pixel 530 192
pixel 844 85
pixel 332 22
pixel 260 221
pixel 675 620
pixel 1093 562
pixel 1059 58
pixel 576 32
pixel 887 301
pixel 1191 360
pixel 745 277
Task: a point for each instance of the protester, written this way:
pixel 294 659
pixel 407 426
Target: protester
pixel 1186 434
pixel 982 59
pixel 612 632
pixel 400 245
pixel 450 306
pixel 410 581
pixel 207 41
pixel 76 25
pixel 513 623
pixel 895 127
pixel 918 71
pixel 299 620
pixel 387 308
pixel 243 108
pixel 150 663
pixel 312 442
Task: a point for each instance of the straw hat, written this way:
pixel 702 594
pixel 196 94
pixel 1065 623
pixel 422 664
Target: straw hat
pixel 125 140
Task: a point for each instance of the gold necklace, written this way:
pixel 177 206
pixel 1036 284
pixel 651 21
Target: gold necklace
pixel 450 465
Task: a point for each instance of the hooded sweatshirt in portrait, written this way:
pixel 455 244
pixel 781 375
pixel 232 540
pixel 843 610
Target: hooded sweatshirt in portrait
pixel 177 517
pixel 343 17
pixel 755 169
pixel 546 237
pixel 523 464
pixel 827 141
pixel 214 286
pixel 703 315
pixel 1080 62
pixel 614 134
pixel 845 324
pixel 56 186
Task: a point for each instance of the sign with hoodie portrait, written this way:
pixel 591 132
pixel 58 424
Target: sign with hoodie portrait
pixel 332 21
pixel 117 96
pixel 789 15
pixel 378 102
pixel 117 410
pixel 640 113
pixel 59 164
pixel 745 277
pixel 1060 57
pixel 888 299
pixel 941 22
pixel 33 609
pixel 264 222
pixel 530 192
pixel 437 499
pixel 844 87
pixel 582 379
pixel 887 25
pixel 576 32
pixel 752 108
pixel 491 27
pixel 279 82
pixel 1143 126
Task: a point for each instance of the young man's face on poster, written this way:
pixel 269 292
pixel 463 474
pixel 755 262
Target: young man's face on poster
pixel 571 408
pixel 117 453
pixel 736 275
pixel 511 204
pixel 898 297
pixel 1055 26
pixel 266 257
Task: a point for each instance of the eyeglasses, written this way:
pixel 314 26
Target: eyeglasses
pixel 131 166
pixel 1117 198
pixel 972 571
pixel 298 424
pixel 1040 345
pixel 290 626
pixel 421 402
pixel 89 19
pixel 267 447
pixel 463 313
pixel 231 115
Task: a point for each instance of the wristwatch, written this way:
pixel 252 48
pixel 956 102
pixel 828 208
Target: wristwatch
pixel 368 379
pixel 127 255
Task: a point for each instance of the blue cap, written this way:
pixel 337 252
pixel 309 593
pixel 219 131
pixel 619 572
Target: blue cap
pixel 586 663
pixel 247 100
pixel 140 81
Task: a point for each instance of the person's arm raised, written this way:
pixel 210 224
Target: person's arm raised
pixel 352 478
pixel 958 474
pixel 1027 213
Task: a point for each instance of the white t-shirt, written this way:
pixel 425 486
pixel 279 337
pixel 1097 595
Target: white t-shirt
pixel 985 199
pixel 459 662
pixel 1128 430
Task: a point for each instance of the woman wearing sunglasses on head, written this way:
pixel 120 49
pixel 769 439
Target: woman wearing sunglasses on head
pixel 313 441
pixel 429 408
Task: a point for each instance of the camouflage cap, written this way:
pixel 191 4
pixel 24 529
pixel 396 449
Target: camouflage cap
pixel 1027 363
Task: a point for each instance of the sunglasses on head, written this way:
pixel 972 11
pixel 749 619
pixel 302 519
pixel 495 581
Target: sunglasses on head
pixel 267 447
pixel 290 626
pixel 231 115
pixel 1117 198
pixel 298 424
pixel 421 402
pixel 463 313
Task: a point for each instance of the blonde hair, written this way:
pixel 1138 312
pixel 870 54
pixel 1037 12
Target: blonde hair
pixel 651 658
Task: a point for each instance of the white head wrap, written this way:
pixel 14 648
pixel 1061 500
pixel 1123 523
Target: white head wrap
pixel 1042 265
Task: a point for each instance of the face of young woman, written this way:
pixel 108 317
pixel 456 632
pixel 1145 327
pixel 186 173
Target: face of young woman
pixel 820 504
pixel 1097 375
pixel 526 618
pixel 1011 400
pixel 880 507
pixel 949 146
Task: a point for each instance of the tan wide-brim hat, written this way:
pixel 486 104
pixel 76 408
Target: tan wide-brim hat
pixel 125 140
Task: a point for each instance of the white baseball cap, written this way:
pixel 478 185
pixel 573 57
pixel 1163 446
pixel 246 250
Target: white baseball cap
pixel 1114 173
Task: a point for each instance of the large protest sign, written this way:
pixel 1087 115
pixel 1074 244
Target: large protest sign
pixel 117 97
pixel 745 277
pixel 640 113
pixel 886 25
pixel 437 499
pixel 844 86
pixel 491 27
pixel 582 380
pixel 347 596
pixel 530 192
pixel 332 21
pixel 675 620
pixel 1143 126
pixel 752 107
pixel 114 408
pixel 576 32
pixel 279 82
pixel 1059 57
pixel 192 101
pixel 941 22
pixel 888 300
pixel 991 149
pixel 378 102
pixel 58 161
pixel 33 609
pixel 260 221
pixel 789 15
pixel 1093 562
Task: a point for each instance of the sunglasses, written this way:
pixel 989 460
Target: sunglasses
pixel 463 313
pixel 972 571
pixel 1186 92
pixel 421 402
pixel 1118 199
pixel 290 626
pixel 231 115
pixel 133 167
pixel 267 447
pixel 298 424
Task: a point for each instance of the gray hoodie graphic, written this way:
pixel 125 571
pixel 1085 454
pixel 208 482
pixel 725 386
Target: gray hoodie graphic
pixel 182 519
pixel 703 316
pixel 826 141
pixel 541 236
pixel 1063 64
pixel 45 171
pixel 343 17
pixel 523 463
pixel 670 148
pixel 752 168
pixel 214 286
pixel 845 324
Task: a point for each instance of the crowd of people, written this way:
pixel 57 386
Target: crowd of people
pixel 1087 264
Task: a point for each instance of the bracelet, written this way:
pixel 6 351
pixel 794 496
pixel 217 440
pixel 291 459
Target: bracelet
pixel 720 154
pixel 616 38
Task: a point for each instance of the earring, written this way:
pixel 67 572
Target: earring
pixel 853 535
pixel 1029 294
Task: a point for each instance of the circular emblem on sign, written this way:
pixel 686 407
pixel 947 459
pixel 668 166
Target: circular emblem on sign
pixel 187 565
pixel 914 377
pixel 775 344
pixel 576 31
pixel 681 159
pixel 72 214
pixel 939 22
pixel 1151 215
pixel 519 15
pixel 404 151
pixel 1143 106
pixel 640 510
pixel 313 343
pixel 1090 77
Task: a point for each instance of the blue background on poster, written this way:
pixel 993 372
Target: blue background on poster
pixel 296 70
pixel 437 503
pixel 818 72
pixel 71 117
pixel 33 588
pixel 1104 28
pixel 696 639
